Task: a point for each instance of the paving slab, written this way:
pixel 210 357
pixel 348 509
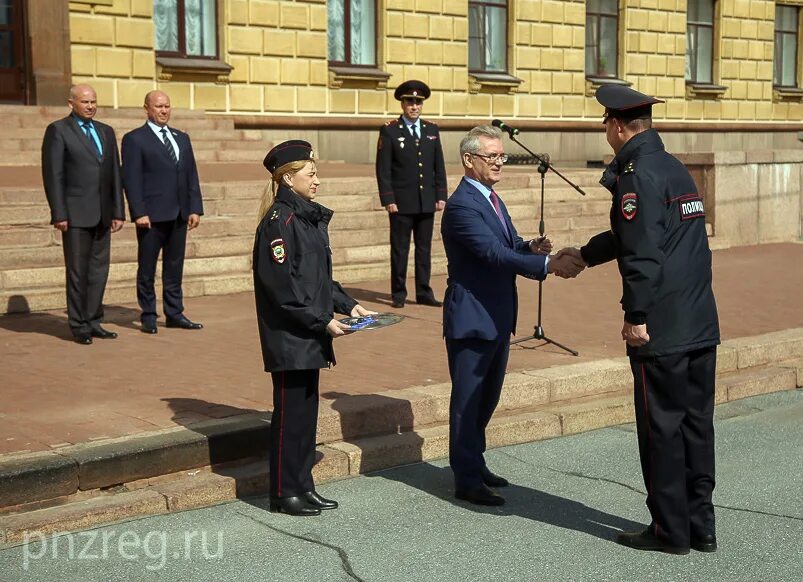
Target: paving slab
pixel 568 499
pixel 57 393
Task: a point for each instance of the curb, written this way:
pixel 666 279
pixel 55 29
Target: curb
pixel 96 483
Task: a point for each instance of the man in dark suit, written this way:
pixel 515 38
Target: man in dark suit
pixel 81 173
pixel 164 199
pixel 484 254
pixel 411 176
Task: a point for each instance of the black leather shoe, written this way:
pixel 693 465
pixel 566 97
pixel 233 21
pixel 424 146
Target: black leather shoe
pixel 84 339
pixel 492 480
pixel 480 495
pixel 293 506
pixel 183 323
pixel 706 543
pixel 644 540
pixel 431 301
pixel 397 303
pixel 316 500
pixel 103 333
pixel 148 327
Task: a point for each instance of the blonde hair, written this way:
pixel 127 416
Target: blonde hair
pixel 269 194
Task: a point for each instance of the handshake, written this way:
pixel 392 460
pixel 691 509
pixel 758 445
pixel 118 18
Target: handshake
pixel 566 263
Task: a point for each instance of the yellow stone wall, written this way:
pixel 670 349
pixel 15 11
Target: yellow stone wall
pixel 278 49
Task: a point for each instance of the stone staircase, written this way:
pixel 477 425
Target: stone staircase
pixel 214 139
pixel 219 251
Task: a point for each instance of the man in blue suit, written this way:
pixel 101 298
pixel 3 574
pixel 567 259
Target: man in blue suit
pixel 485 254
pixel 164 199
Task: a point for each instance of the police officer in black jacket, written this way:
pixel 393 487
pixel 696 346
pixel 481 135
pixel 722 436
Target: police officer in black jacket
pixel 671 327
pixel 295 301
pixel 411 176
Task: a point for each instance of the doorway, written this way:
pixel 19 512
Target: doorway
pixel 12 52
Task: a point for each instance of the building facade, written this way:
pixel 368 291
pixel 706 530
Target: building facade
pixel 721 65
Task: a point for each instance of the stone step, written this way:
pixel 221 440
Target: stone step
pixel 89 484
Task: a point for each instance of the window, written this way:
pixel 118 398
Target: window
pixel 186 28
pixel 785 69
pixel 602 29
pixel 352 32
pixel 487 36
pixel 700 41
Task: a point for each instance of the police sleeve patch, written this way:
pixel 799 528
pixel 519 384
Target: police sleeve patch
pixel 691 206
pixel 277 250
pixel 629 205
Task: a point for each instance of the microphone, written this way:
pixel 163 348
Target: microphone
pixel 511 131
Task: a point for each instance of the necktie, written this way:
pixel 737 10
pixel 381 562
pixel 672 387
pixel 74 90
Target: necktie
pixel 169 146
pixel 415 131
pixel 495 202
pixel 91 139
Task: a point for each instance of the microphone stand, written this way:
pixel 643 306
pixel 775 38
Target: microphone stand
pixel 543 167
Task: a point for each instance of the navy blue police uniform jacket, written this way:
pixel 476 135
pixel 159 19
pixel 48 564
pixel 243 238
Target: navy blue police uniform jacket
pixel 481 300
pixel 659 240
pixel 410 175
pixel 294 291
pixel 155 186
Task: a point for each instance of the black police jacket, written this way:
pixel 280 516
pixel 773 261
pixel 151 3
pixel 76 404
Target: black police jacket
pixel 658 238
pixel 410 173
pixel 295 294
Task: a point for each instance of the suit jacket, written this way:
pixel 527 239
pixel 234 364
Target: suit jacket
pixel 155 186
pixel 410 175
pixel 483 261
pixel 80 188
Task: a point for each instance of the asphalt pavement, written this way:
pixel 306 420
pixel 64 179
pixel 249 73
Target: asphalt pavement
pixel 569 498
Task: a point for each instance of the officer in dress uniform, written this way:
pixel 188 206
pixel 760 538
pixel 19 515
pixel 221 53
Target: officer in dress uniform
pixel 671 326
pixel 295 301
pixel 411 175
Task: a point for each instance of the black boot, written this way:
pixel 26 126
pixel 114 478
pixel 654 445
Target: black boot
pixel 645 540
pixel 292 506
pixel 316 500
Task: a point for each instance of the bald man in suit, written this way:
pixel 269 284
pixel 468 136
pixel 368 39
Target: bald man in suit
pixel 81 175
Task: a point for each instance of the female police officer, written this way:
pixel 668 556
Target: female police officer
pixel 295 300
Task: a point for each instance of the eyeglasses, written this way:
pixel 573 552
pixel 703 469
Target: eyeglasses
pixel 493 158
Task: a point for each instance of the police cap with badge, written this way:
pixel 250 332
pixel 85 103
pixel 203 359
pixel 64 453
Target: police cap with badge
pixel 293 150
pixel 412 90
pixel 625 103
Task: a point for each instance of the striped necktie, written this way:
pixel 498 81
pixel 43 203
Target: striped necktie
pixel 495 202
pixel 169 146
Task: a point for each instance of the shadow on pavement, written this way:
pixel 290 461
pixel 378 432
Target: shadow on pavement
pixel 239 452
pixel 20 319
pixel 521 502
pixel 369 295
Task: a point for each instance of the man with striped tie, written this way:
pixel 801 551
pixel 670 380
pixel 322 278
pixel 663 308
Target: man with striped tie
pixel 81 174
pixel 485 254
pixel 164 198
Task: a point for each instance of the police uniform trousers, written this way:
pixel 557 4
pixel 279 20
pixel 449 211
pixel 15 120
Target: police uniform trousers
pixel 292 432
pixel 674 401
pixel 86 258
pixel 477 368
pixel 420 225
pixel 169 238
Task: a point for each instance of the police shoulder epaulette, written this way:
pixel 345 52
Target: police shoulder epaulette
pixel 391 122
pixel 630 168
